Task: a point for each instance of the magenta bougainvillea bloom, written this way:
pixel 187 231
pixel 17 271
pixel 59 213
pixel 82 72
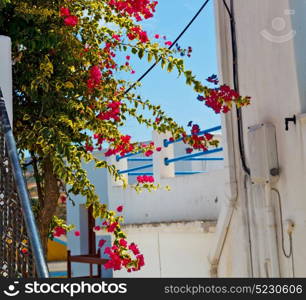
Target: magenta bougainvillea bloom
pixel 148 153
pixel 64 12
pixel 24 250
pixel 145 179
pixel 89 148
pixel 119 208
pixel 123 243
pixel 189 150
pixel 101 243
pixel 112 227
pixel 133 247
pixel 71 21
pixel 58 231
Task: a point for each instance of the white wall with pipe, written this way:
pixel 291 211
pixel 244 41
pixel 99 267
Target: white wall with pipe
pixel 271 40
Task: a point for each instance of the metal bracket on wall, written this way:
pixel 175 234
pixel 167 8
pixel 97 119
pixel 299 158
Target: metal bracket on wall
pixel 287 120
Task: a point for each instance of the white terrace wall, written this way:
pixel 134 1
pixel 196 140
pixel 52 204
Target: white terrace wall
pixel 6 73
pixel 158 219
pixel 271 38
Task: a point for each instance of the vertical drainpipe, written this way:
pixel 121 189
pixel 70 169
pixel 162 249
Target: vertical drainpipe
pixel 228 128
pixel 271 232
pixel 231 153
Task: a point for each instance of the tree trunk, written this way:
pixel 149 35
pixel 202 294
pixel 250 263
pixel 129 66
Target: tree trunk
pixel 50 198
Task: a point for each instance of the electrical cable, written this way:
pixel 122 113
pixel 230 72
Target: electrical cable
pixel 170 47
pixel 292 261
pixel 282 228
pixel 236 83
pixel 248 223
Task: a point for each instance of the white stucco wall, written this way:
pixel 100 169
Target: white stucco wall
pixel 192 197
pixel 271 37
pixel 172 249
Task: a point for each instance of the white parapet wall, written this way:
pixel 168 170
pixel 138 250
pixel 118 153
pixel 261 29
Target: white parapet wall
pixel 178 249
pixel 6 73
pixel 192 197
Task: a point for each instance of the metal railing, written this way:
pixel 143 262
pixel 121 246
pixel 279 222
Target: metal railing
pixel 175 173
pixel 21 252
pixel 167 161
pixel 216 128
pixel 189 156
pixel 136 169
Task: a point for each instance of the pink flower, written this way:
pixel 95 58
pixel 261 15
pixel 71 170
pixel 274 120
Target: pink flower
pixel 145 179
pixel 208 136
pixel 123 243
pixel 116 37
pixel 77 233
pixel 189 150
pixel 64 12
pixel 95 74
pixel 89 148
pixel 58 231
pixel 90 83
pixel 112 227
pixel 133 72
pixel 195 129
pixel 71 21
pixel 140 179
pixel 148 153
pixel 119 208
pixel 140 260
pixel 107 250
pixel 97 228
pixel 168 43
pixel 156 36
pixel 128 57
pixel 158 149
pixel 133 247
pixel 143 37
pixel 101 243
pixel 24 250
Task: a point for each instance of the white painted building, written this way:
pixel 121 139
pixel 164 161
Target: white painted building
pixel 176 231
pixel 271 42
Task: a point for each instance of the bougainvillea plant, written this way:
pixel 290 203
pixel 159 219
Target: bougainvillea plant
pixel 69 98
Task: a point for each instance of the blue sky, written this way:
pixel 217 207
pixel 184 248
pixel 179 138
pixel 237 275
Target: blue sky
pixel 161 87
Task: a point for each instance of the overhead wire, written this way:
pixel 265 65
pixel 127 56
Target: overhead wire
pixel 170 47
